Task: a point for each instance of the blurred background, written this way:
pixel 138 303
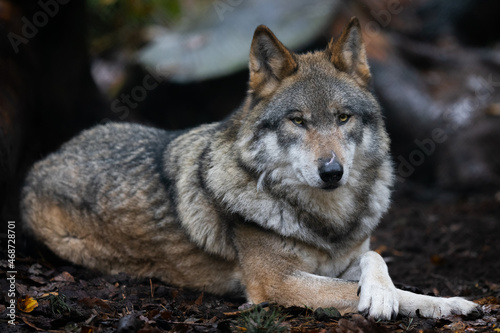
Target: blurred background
pixel 68 65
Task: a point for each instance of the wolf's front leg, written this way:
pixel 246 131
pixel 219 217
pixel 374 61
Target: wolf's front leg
pixel 380 299
pixel 435 307
pixel 279 270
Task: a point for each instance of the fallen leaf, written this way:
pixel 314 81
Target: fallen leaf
pixel 91 302
pixel 166 314
pixel 22 289
pixel 437 260
pixel 129 323
pixel 359 324
pixel 456 326
pixel 199 300
pixel 492 286
pixel 149 329
pixel 26 304
pixel 25 319
pixel 488 300
pixel 63 277
pixel 146 319
pixel 35 269
pixel 38 279
pixel 27 322
pixel 87 329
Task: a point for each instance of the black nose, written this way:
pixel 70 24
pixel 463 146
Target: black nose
pixel 330 171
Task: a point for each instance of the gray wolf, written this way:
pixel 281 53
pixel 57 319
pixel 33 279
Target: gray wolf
pixel 277 201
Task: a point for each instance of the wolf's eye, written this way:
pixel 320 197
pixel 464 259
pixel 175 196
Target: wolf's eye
pixel 298 121
pixel 344 117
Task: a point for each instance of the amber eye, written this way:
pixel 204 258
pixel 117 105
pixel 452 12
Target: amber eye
pixel 343 117
pixel 298 121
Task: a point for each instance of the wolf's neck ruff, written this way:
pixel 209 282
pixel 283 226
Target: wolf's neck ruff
pixel 310 215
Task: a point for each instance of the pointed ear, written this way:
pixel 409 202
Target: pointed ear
pixel 348 53
pixel 270 61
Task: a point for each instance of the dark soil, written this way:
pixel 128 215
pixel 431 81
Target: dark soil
pixel 446 247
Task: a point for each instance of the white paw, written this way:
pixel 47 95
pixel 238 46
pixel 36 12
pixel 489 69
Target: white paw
pixel 442 307
pixel 378 301
pixel 378 297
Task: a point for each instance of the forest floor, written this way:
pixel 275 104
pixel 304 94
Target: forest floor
pixel 444 247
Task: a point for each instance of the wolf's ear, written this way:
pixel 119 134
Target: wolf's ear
pixel 348 53
pixel 270 61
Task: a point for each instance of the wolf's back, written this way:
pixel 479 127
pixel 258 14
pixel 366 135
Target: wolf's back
pixel 100 163
pixel 111 175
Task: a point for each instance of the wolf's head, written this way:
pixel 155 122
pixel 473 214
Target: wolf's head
pixel 309 118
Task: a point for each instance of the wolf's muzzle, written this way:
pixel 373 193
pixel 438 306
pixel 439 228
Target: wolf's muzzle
pixel 330 172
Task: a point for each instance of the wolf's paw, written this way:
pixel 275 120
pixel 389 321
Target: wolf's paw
pixel 378 301
pixel 378 297
pixel 443 307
